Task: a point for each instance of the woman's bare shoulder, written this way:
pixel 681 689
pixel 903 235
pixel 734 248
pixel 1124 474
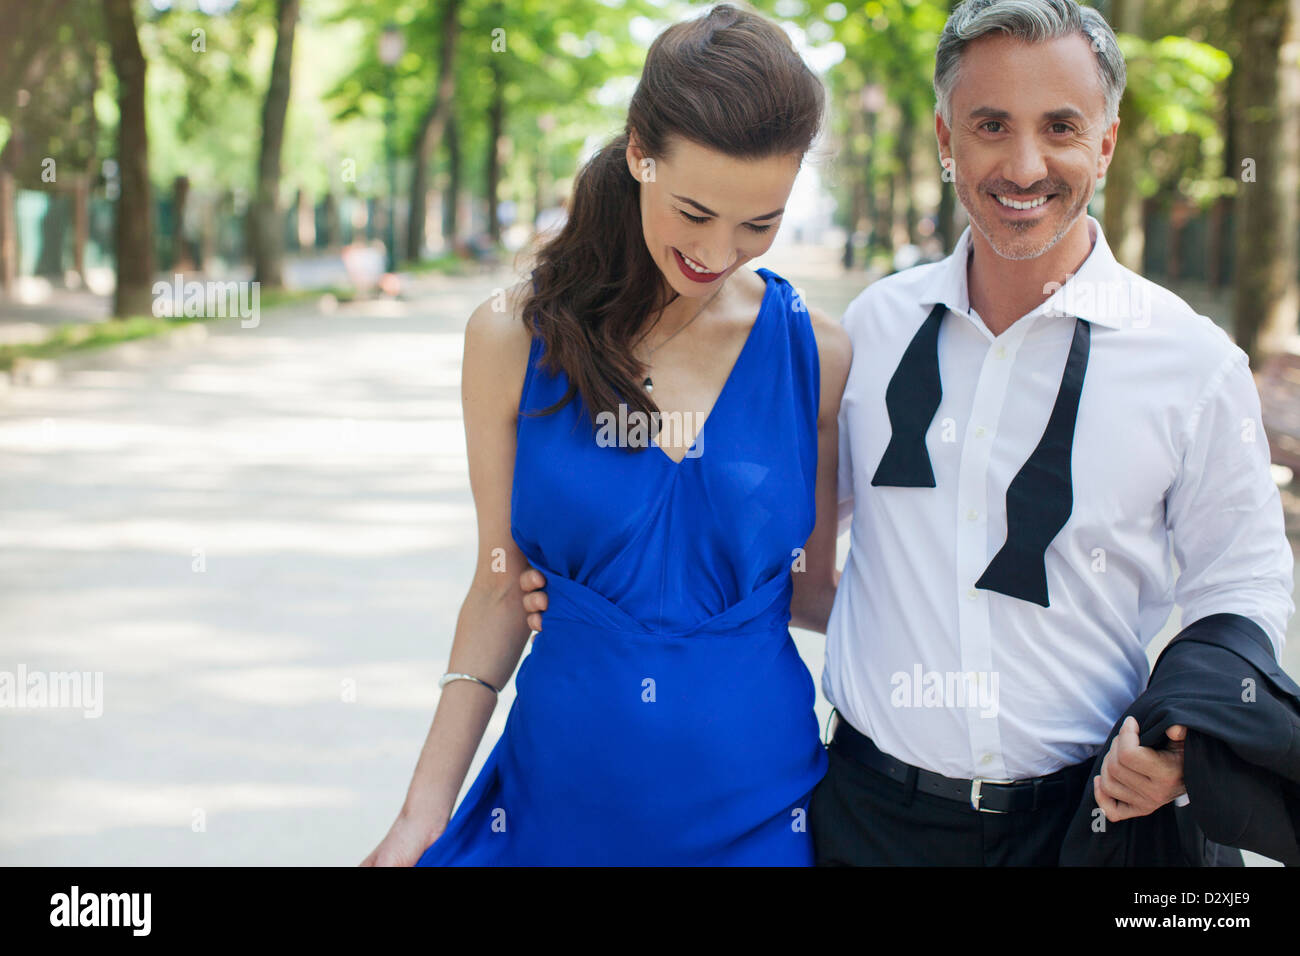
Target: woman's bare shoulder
pixel 499 318
pixel 497 343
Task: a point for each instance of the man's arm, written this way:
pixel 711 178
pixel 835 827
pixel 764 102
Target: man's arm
pixel 1224 512
pixel 1224 517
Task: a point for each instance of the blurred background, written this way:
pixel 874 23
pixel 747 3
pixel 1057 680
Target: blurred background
pixel 239 240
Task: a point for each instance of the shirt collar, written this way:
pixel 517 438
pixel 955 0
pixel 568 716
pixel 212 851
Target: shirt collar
pixel 1101 291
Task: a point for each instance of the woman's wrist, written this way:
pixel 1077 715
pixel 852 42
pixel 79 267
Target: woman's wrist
pixel 431 818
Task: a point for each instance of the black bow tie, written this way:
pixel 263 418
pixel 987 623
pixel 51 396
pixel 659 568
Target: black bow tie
pixel 1040 497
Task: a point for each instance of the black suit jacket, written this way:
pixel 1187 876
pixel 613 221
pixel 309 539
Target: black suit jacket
pixel 1241 760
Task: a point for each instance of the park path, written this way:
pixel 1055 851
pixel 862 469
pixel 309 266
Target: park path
pixel 261 540
pixel 238 533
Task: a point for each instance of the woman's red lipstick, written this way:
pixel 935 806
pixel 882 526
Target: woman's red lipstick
pixel 691 273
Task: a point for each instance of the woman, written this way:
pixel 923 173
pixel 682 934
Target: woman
pixel 665 716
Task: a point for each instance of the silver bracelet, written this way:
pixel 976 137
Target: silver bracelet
pixel 448 678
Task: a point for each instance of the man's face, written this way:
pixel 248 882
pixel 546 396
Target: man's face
pixel 1028 127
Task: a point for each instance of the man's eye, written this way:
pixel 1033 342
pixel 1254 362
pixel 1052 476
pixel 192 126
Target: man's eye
pixel 1062 128
pixel 991 123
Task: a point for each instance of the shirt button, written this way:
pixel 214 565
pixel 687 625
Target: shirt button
pixel 986 759
pixel 972 594
pixel 972 515
pixel 1000 352
pixel 981 432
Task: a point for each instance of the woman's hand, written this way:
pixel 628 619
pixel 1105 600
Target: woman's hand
pixel 405 843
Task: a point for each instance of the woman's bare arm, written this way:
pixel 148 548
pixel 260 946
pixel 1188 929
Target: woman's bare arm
pixel 490 635
pixel 814 587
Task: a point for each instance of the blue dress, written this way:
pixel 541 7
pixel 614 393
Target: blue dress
pixel 663 716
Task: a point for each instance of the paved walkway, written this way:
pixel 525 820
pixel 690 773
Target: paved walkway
pixel 260 540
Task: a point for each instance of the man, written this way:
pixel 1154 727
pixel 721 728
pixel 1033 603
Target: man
pixel 1029 432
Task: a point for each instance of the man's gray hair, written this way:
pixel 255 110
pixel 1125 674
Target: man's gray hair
pixel 1032 21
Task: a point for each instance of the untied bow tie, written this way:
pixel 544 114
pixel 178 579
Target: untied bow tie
pixel 1039 498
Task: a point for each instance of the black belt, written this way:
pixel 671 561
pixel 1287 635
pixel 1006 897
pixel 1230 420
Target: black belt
pixel 979 794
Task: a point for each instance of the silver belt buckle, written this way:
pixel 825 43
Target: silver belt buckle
pixel 976 796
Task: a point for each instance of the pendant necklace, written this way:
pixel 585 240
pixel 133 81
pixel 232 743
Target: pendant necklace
pixel 649 384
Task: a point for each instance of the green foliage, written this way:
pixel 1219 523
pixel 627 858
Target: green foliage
pixel 48 71
pixel 1173 106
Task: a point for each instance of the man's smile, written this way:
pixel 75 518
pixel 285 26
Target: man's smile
pixel 1022 203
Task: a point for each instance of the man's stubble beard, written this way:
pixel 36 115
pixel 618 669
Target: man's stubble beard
pixel 1018 251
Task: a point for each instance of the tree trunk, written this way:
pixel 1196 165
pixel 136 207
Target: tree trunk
pixel 8 231
pixel 904 154
pixel 1218 241
pixel 869 189
pixel 853 165
pixel 80 224
pixel 496 123
pixel 1179 213
pixel 181 261
pixel 331 215
pixel 451 199
pixel 432 126
pixel 49 261
pixel 133 230
pixel 1268 141
pixel 267 233
pixel 886 215
pixel 1122 217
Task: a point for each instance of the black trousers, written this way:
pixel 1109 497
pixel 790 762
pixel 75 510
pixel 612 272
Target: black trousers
pixel 860 817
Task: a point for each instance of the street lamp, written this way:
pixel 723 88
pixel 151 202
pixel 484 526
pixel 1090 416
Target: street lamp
pixel 391 46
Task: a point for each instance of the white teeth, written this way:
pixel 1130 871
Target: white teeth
pixel 1022 205
pixel 692 263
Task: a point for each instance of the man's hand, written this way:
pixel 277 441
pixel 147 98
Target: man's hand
pixel 1137 780
pixel 530 582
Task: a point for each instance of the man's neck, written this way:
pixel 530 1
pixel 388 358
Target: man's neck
pixel 1004 290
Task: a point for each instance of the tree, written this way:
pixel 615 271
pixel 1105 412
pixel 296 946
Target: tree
pixel 133 230
pixel 889 44
pixel 1267 208
pixel 37 108
pixel 266 233
pixel 1122 219
pixel 433 125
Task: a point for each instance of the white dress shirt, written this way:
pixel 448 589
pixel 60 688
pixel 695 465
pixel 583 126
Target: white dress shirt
pixel 1169 461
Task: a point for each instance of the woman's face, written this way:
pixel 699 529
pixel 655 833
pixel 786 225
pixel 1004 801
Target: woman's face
pixel 705 214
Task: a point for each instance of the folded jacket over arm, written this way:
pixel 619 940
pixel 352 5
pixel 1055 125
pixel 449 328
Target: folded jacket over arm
pixel 1219 677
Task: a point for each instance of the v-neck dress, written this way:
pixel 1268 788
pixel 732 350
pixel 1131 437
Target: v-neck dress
pixel 663 715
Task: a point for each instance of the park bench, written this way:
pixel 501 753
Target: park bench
pixel 1279 395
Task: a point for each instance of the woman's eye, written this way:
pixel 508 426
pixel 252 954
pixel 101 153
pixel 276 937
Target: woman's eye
pixel 748 225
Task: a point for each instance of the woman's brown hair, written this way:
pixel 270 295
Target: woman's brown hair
pixel 730 81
